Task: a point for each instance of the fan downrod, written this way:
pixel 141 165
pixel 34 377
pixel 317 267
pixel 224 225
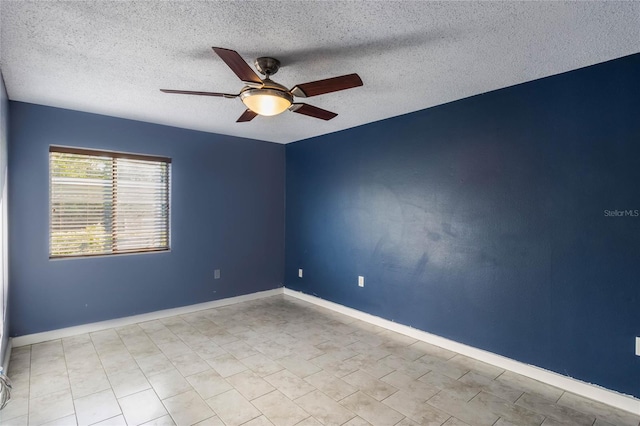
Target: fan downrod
pixel 267 66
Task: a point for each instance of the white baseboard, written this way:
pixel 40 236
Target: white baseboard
pixel 45 336
pixel 588 390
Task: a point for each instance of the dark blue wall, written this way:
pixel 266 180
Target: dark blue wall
pixel 483 221
pixel 227 212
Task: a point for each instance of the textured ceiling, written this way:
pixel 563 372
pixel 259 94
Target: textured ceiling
pixel 112 57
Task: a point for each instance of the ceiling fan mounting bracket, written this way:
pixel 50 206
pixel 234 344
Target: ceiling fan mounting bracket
pixel 267 66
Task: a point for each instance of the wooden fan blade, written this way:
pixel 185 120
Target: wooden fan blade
pixel 237 64
pixel 328 85
pixel 312 111
pixel 190 92
pixel 248 115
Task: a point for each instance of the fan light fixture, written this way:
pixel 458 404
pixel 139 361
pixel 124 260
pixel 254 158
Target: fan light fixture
pixel 266 102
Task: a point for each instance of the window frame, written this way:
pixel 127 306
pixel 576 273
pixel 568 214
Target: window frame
pixel 113 155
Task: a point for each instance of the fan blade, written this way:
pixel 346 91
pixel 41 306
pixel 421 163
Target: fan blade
pixel 237 65
pixel 312 111
pixel 328 85
pixel 189 92
pixel 248 115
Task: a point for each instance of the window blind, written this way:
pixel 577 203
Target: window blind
pixel 107 203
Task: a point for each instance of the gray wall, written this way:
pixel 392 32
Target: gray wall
pixel 4 282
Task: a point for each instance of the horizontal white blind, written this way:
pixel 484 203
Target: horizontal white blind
pixel 107 203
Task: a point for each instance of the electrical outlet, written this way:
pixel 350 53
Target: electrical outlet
pixel 299 273
pixel 360 281
pixel 216 274
pixel 638 346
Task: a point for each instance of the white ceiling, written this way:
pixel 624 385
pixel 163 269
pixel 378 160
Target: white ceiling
pixel 112 57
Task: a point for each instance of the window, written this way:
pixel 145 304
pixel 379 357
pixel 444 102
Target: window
pixel 107 203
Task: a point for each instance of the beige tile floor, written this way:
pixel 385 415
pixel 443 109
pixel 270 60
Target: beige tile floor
pixel 275 361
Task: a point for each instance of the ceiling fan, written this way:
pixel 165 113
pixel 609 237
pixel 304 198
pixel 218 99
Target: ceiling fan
pixel 266 97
